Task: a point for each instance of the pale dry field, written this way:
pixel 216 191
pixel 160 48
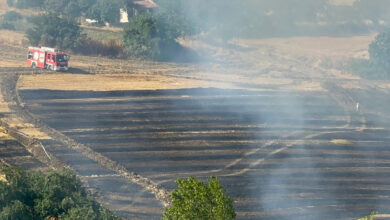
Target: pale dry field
pixel 300 63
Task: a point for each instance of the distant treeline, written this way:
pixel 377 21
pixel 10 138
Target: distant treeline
pixel 235 18
pixel 152 33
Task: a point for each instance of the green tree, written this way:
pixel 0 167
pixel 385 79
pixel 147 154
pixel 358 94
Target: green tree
pixel 380 51
pixel 51 30
pixel 58 195
pixel 72 9
pixel 85 4
pixel 55 6
pixel 195 200
pixel 148 37
pixel 25 3
pixel 16 210
pixel 172 12
pixel 12 16
pixel 105 11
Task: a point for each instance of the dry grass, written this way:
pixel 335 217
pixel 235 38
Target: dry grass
pixel 12 38
pixel 4 135
pixel 104 28
pixel 341 142
pixel 266 63
pixel 109 82
pixel 2 178
pixel 3 7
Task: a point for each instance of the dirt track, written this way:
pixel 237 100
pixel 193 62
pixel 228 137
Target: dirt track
pixel 281 130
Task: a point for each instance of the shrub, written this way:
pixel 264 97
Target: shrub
pixel 378 66
pixel 51 30
pixel 11 3
pixel 195 200
pixel 11 16
pixel 25 3
pixel 147 37
pixel 380 50
pixel 16 210
pixel 366 69
pixel 6 25
pixel 38 196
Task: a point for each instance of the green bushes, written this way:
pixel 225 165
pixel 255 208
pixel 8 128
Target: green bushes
pixel 51 30
pixel 9 19
pixel 380 50
pixel 105 11
pixel 195 200
pixel 148 37
pixel 378 66
pixel 12 16
pixel 38 196
pixel 6 25
pixel 25 3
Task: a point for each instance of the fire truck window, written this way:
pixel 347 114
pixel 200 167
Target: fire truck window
pixel 48 56
pixel 54 58
pixel 30 55
pixel 61 58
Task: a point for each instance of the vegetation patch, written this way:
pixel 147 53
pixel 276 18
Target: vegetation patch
pixel 54 31
pixel 57 195
pixel 195 200
pixel 378 66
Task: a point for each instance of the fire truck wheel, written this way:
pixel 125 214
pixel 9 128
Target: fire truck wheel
pixel 33 65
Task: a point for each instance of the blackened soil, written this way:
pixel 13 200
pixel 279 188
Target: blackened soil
pixel 271 150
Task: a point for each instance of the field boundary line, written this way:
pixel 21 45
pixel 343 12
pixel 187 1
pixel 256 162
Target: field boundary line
pixel 11 91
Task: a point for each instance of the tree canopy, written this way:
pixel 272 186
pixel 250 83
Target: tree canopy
pixel 37 197
pixel 380 50
pixel 195 200
pixel 54 31
pixel 149 37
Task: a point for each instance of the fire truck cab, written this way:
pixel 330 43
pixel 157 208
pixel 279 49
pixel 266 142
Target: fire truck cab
pixel 47 58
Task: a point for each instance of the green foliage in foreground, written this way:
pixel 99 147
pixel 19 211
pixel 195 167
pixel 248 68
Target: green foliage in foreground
pixel 370 217
pixel 37 196
pixel 195 200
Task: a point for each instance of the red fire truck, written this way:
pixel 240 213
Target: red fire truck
pixel 47 58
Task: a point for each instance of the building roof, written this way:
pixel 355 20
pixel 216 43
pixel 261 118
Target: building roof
pixel 146 3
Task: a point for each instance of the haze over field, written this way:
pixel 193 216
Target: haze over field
pixel 282 100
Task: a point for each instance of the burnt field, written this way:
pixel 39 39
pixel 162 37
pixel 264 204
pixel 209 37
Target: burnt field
pixel 13 153
pixel 280 155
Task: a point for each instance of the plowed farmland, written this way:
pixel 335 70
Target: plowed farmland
pixel 272 150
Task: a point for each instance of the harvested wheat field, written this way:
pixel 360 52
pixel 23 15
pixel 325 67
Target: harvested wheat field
pixel 274 119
